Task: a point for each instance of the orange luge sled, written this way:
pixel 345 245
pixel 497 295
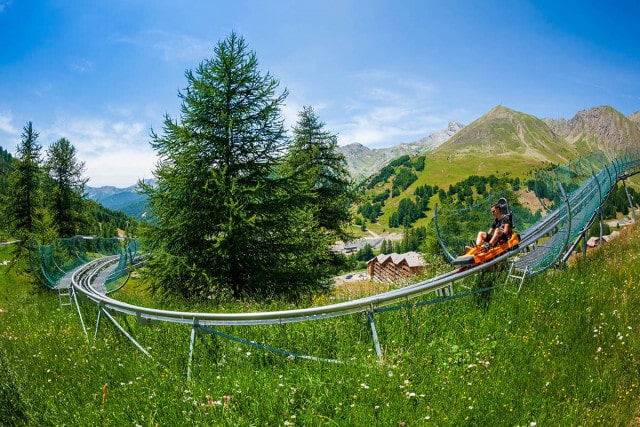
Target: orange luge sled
pixel 477 255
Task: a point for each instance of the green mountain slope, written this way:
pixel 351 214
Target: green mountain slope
pixel 503 141
pixel 509 145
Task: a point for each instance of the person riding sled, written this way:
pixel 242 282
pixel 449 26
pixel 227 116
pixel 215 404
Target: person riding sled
pixel 499 231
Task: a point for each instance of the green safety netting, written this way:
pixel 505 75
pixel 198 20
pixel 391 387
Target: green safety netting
pixel 51 262
pixel 572 176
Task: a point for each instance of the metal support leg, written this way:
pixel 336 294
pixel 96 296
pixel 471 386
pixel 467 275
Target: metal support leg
pixel 75 299
pixel 633 211
pixel 376 342
pixel 192 344
pixel 95 334
pixel 126 334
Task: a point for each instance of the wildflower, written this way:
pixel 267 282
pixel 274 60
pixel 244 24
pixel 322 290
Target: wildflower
pixel 364 386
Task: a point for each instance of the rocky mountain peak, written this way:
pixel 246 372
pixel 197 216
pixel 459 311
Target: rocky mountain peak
pixel 600 129
pixel 363 161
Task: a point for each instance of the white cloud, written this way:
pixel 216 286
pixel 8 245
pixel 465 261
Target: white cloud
pixel 115 152
pixel 172 46
pixel 390 110
pixel 82 65
pixel 4 4
pixel 6 122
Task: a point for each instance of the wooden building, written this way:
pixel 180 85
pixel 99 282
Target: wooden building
pixel 395 268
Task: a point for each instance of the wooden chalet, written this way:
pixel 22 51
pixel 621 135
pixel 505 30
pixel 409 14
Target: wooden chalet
pixel 395 268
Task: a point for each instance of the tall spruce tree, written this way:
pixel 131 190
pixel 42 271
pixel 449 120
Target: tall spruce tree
pixel 322 171
pixel 225 219
pixel 65 188
pixel 24 196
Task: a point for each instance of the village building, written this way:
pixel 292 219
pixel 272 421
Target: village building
pixel 354 246
pixel 395 268
pixel 595 241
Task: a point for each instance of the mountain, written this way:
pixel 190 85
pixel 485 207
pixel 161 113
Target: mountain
pixel 125 200
pixel 635 117
pixel 599 129
pixel 507 144
pixel 503 131
pixel 364 162
pixel 503 141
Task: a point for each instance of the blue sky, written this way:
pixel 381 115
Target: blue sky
pixel 103 73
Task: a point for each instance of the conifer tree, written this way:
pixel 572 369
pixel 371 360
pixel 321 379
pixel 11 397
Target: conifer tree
pixel 224 217
pixel 24 201
pixel 65 188
pixel 322 172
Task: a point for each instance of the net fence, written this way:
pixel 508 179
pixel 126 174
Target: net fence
pixel 51 262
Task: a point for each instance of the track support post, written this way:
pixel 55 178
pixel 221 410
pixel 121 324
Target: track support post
pixel 633 210
pixel 374 333
pixel 192 344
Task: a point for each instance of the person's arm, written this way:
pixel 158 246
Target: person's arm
pixel 506 228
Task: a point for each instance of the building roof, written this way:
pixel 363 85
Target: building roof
pixel 594 241
pixel 413 259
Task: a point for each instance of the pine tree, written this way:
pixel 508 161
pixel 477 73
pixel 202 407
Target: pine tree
pixel 322 171
pixel 224 217
pixel 24 201
pixel 65 187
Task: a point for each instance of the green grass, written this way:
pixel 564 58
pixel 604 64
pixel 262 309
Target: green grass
pixel 565 351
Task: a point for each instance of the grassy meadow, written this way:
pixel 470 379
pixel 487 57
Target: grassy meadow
pixel 565 351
